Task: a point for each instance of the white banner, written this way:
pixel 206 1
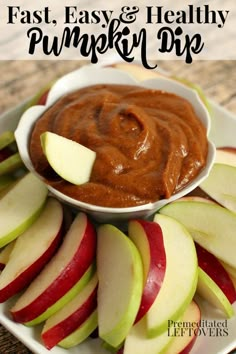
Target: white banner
pixel 127 30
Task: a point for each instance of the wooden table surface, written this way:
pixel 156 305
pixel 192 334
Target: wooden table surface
pixel 21 79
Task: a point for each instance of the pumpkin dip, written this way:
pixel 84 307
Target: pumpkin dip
pixel 149 143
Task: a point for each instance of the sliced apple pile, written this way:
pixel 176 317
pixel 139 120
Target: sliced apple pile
pixel 32 250
pixel 212 224
pixel 62 278
pixel 76 161
pixel 65 326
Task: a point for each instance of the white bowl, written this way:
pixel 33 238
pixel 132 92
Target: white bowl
pixel 90 75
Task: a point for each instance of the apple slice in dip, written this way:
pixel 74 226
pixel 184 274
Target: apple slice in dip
pixel 69 159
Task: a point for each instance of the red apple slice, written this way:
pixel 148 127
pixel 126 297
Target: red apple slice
pixel 71 316
pixel 69 268
pixel 148 238
pixel 210 264
pixel 183 344
pixel 32 250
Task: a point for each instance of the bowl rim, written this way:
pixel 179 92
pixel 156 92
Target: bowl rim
pixel 106 75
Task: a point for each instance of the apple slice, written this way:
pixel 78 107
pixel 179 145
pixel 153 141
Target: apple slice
pixel 226 155
pixel 5 254
pixel 6 138
pixel 64 322
pixel 76 161
pixel 211 292
pixel 11 164
pixel 181 273
pixel 62 278
pixel 120 276
pixel 82 332
pixel 148 238
pixel 211 225
pixel 183 343
pixel 32 250
pixel 20 207
pixel 214 269
pixel 220 185
pixel 174 340
pixel 138 341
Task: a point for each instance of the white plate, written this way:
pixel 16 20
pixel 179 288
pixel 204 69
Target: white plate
pixel 223 133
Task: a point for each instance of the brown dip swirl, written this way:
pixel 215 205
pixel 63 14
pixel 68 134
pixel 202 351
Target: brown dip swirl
pixel 149 143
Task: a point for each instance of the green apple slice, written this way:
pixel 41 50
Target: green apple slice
pixel 20 207
pixel 6 138
pixel 211 225
pixel 11 164
pixel 211 292
pixel 72 317
pixel 81 333
pixel 180 276
pixel 221 185
pixel 120 276
pixel 69 159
